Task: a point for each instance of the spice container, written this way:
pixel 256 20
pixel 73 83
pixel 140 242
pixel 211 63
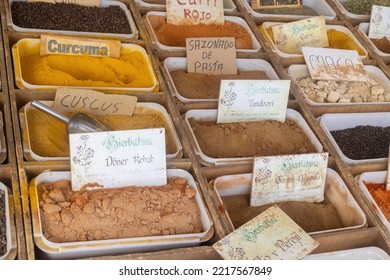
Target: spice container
pixel 365 253
pixel 40 17
pixel 288 59
pixel 8 246
pixel 338 212
pixel 316 7
pixel 38 129
pixel 228 5
pixel 376 91
pixel 377 194
pixel 193 87
pixel 357 9
pixel 132 71
pixel 175 35
pixel 363 30
pixel 98 245
pixel 239 142
pixel 362 134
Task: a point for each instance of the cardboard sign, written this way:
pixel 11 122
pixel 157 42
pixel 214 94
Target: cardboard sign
pixel 215 56
pixel 379 22
pixel 272 235
pixel 334 64
pixel 90 3
pixel 291 37
pixel 267 4
pixel 79 46
pixel 192 12
pixel 94 102
pixel 118 158
pixel 252 100
pixel 289 178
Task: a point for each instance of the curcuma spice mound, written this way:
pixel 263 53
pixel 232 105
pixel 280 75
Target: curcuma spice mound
pixel 70 17
pixel 3 229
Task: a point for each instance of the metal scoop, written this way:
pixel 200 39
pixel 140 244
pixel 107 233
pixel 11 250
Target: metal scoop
pixel 78 123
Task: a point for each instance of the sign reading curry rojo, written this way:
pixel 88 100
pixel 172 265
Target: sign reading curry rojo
pixel 79 46
pixel 289 178
pixel 118 158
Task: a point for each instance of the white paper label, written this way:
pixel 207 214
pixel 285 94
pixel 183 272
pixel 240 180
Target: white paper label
pixel 252 100
pixel 379 22
pixel 334 64
pixel 118 158
pixel 388 173
pixel 272 235
pixel 289 178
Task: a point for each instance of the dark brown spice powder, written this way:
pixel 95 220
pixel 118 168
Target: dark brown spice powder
pixel 383 44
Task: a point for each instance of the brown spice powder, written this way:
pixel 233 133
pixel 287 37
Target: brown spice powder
pixel 383 44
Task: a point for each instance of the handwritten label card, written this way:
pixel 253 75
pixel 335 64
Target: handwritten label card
pixel 291 37
pixel 289 178
pixel 265 4
pixel 388 172
pixel 90 3
pixel 94 102
pixel 272 235
pixel 214 56
pixel 187 12
pixel 252 100
pixel 79 46
pixel 334 64
pixel 379 22
pixel 118 158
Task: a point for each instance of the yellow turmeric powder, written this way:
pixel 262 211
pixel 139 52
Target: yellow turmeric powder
pixel 129 70
pixel 337 40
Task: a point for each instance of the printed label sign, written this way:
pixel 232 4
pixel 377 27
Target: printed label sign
pixel 265 4
pixel 334 64
pixel 118 158
pixel 379 22
pixel 79 46
pixel 291 37
pixel 215 56
pixel 94 102
pixel 90 3
pixel 289 178
pixel 252 100
pixel 272 235
pixel 187 12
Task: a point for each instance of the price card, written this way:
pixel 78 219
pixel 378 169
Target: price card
pixel 266 4
pixel 289 178
pixel 118 158
pixel 291 37
pixel 187 12
pixel 272 235
pixel 214 56
pixel 79 46
pixel 252 100
pixel 334 64
pixel 379 22
pixel 94 102
pixel 388 172
pixel 90 3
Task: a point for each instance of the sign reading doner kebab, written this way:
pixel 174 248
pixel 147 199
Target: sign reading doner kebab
pixel 79 46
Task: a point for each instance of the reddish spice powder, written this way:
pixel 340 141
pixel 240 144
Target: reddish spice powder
pixel 381 197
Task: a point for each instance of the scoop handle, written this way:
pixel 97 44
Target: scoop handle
pixel 50 111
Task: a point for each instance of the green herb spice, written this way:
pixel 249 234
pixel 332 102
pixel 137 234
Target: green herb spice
pixel 304 11
pixel 363 7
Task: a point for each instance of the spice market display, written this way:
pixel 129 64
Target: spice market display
pixel 152 128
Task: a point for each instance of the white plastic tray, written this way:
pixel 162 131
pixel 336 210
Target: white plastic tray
pixel 83 249
pixel 378 177
pixel 133 27
pixel 32 156
pixel 366 253
pixel 336 191
pixel 255 43
pixel 320 6
pixel 180 63
pixel 228 5
pixel 301 71
pixel 363 29
pixel 330 122
pixel 10 254
pixel 348 14
pixel 211 115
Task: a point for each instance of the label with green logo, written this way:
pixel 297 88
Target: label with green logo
pixel 118 158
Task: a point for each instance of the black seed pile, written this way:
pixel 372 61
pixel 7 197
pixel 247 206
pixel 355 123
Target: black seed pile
pixel 363 142
pixel 3 225
pixel 70 17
